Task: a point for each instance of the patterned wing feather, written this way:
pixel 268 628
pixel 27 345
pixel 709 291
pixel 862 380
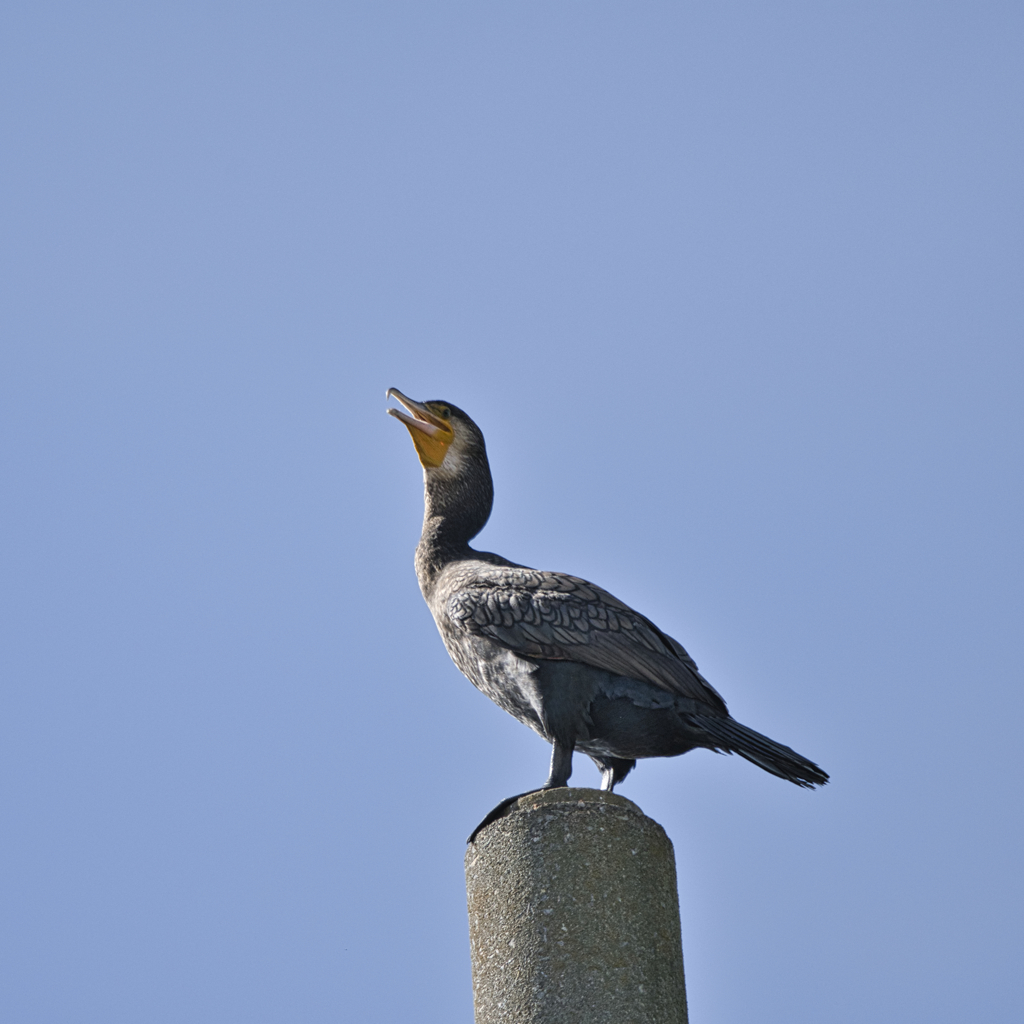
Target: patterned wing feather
pixel 557 617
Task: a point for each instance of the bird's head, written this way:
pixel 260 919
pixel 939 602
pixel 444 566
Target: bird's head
pixel 444 436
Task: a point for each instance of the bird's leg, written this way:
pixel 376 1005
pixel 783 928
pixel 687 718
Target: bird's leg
pixel 613 771
pixel 561 765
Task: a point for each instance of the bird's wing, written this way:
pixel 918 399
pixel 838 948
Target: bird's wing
pixel 553 616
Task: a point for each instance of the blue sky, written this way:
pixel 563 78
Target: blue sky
pixel 734 291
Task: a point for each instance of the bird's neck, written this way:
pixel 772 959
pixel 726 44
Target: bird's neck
pixel 456 509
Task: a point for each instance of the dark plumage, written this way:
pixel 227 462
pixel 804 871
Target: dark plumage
pixel 560 654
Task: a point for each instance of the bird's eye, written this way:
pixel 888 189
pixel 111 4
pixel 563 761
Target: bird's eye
pixel 445 413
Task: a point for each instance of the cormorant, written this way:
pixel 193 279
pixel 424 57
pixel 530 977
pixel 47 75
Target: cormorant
pixel 563 656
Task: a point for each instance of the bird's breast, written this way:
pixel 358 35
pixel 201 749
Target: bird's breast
pixel 510 680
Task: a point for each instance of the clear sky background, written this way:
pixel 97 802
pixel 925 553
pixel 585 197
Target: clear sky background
pixel 734 290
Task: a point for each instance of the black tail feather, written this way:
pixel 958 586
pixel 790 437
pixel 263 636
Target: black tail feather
pixel 728 735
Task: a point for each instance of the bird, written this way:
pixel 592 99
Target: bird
pixel 581 668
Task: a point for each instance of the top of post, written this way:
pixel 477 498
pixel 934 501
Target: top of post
pixel 562 799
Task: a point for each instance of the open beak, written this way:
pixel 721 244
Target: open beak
pixel 431 434
pixel 422 418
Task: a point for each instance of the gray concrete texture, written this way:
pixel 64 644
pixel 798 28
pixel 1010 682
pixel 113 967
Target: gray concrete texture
pixel 574 914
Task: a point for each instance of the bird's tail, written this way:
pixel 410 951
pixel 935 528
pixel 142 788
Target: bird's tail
pixel 726 734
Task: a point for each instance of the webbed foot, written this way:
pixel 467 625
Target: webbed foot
pixel 558 777
pixel 499 812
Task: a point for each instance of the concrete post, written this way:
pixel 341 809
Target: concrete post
pixel 573 914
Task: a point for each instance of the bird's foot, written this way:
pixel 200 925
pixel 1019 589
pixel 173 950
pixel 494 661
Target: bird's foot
pixel 502 808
